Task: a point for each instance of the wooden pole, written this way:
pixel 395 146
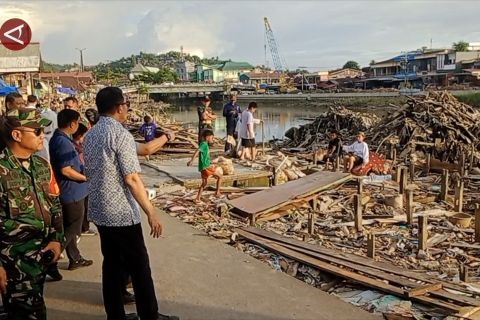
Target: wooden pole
pixel 357 200
pixel 422 232
pixel 398 173
pixel 403 180
pixel 477 222
pixel 371 245
pixel 360 187
pixel 427 165
pixel 463 272
pixel 444 186
pixel 394 155
pixel 409 207
pixel 337 163
pixel 462 164
pixel 311 222
pixel 458 206
pixel 412 170
pixel 472 157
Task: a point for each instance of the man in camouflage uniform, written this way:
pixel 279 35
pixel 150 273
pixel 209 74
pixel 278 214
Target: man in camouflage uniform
pixel 30 216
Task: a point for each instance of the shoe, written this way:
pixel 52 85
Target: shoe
pixel 54 274
pixel 79 264
pixel 128 298
pixel 89 233
pixel 166 317
pixel 131 316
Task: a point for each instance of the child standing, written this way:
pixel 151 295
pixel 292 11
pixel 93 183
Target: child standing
pixel 148 130
pixel 205 165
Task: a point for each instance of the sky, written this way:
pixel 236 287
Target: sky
pixel 318 35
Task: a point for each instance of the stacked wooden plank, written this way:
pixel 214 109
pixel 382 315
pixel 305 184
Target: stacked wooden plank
pixel 450 298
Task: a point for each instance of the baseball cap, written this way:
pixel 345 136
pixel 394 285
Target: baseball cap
pixel 30 119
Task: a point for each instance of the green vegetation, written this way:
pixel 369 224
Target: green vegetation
pixel 163 75
pixel 471 98
pixel 351 65
pixel 460 46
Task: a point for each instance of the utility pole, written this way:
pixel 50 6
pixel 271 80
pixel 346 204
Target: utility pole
pixel 81 57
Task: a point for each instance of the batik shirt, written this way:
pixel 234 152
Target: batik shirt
pixel 110 155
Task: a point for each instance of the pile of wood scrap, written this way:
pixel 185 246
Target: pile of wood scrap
pixel 437 124
pixel 447 297
pixel 315 134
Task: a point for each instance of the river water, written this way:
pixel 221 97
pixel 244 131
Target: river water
pixel 278 116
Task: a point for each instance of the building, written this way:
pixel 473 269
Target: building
pixel 140 69
pixel 228 71
pixel 423 67
pixel 184 70
pixel 257 78
pixel 77 80
pixel 344 74
pixel 18 67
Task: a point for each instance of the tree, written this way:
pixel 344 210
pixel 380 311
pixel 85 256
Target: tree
pixel 351 65
pixel 163 75
pixel 460 46
pixel 372 62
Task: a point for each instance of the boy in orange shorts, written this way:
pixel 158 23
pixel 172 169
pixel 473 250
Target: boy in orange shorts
pixel 205 165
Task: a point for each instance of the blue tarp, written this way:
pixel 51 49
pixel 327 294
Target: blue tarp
pixel 66 90
pixel 6 89
pixel 410 56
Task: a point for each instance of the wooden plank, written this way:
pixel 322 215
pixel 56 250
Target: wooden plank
pixel 409 206
pixel 403 180
pixel 357 202
pixel 371 245
pixel 359 260
pixel 458 205
pixel 277 196
pixel 421 290
pixel 346 274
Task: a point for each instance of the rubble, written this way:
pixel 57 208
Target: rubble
pixel 315 134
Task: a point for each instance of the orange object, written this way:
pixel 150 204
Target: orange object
pixel 54 189
pixel 208 172
pixel 375 164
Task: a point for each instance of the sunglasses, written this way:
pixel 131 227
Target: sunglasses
pixel 36 131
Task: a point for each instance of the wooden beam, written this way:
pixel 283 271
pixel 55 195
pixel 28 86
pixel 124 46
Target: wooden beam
pixel 403 180
pixel 398 173
pixel 409 206
pixel 477 222
pixel 462 164
pixel 344 273
pixel 357 202
pixel 412 170
pixel 444 185
pixel 421 290
pixel 428 164
pixel 384 270
pixel 360 186
pixel 458 205
pixel 422 232
pixel 337 164
pixel 371 245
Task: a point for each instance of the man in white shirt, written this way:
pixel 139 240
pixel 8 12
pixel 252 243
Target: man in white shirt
pixel 51 115
pixel 357 153
pixel 247 131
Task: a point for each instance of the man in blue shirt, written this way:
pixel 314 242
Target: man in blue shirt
pixel 69 172
pixel 231 112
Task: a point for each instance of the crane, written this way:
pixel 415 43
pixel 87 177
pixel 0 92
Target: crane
pixel 278 61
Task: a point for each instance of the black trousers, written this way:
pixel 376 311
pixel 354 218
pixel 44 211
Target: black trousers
pixel 85 223
pixel 73 214
pixel 124 252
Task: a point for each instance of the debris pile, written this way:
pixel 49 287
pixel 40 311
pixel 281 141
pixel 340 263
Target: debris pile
pixel 438 124
pixel 315 134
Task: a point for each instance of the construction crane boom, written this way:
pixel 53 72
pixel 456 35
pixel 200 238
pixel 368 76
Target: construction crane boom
pixel 278 62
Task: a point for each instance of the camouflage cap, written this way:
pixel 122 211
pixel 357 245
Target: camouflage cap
pixel 28 118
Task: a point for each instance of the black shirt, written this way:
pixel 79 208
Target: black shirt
pixel 335 146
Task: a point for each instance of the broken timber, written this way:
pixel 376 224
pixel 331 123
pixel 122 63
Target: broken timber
pixel 373 273
pixel 303 189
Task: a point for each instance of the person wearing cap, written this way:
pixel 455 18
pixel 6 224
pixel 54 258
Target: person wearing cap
pixel 31 228
pixel 231 112
pixel 205 117
pixel 357 154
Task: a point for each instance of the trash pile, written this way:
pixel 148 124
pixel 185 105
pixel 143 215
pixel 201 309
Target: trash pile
pixel 438 124
pixel 315 134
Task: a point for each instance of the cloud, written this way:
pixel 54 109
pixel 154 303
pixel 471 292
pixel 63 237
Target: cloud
pixel 309 33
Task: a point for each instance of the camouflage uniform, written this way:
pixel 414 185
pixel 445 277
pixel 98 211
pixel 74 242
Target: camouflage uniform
pixel 30 217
